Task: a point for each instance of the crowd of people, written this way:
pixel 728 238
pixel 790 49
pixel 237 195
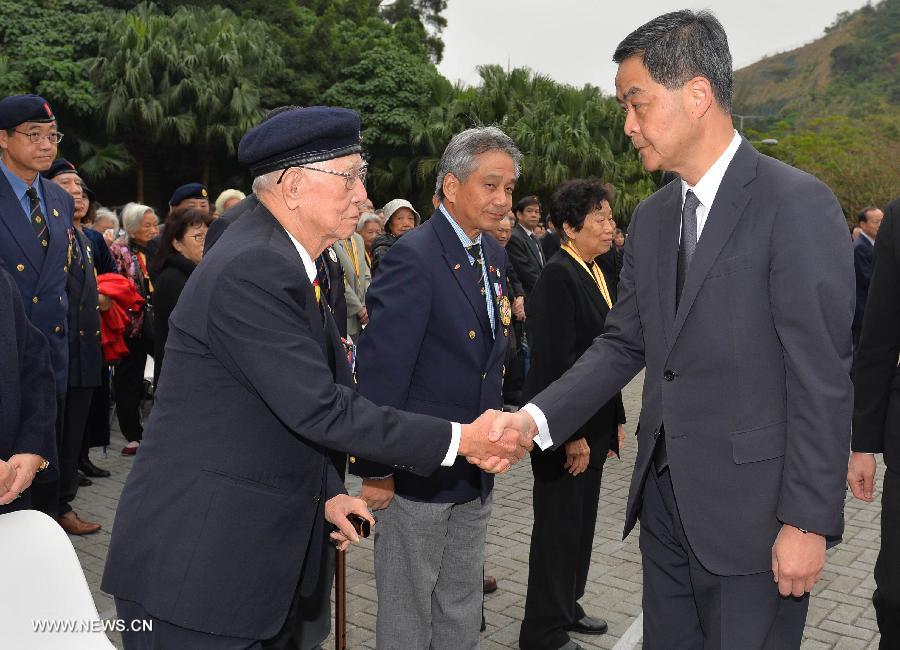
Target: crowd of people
pixel 298 332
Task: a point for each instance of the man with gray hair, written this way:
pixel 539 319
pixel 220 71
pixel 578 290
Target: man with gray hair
pixel 439 325
pixel 737 296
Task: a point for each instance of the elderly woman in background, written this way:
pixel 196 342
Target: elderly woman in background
pixel 354 261
pixel 227 199
pixel 566 310
pixel 107 224
pixel 399 218
pixel 369 227
pixel 180 251
pixel 132 260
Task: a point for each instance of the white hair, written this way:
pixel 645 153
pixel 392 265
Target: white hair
pixel 365 218
pixel 133 214
pixel 226 196
pixel 264 182
pixel 105 214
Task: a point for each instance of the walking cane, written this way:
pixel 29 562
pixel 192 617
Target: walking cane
pixel 340 601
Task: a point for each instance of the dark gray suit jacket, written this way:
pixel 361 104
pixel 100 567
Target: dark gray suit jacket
pixel 750 376
pixel 225 501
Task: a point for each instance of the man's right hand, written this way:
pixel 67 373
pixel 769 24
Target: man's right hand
pixel 861 475
pixel 377 492
pixel 496 440
pixel 7 478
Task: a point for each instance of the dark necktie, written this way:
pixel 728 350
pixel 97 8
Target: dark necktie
pixel 688 241
pixel 537 248
pixel 475 251
pixel 38 220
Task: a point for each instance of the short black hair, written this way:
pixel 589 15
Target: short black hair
pixel 680 45
pixel 575 200
pixel 525 202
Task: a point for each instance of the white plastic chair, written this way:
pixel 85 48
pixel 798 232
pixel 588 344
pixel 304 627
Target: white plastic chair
pixel 42 581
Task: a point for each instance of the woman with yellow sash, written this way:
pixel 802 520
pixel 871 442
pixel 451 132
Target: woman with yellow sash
pixel 566 310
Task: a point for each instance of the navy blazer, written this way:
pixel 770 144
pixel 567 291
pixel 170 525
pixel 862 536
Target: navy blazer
pixel 863 255
pixel 103 259
pixel 85 351
pixel 27 389
pixel 224 503
pixel 39 275
pixel 429 348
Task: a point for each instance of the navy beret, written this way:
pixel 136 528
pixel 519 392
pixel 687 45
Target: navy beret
pixel 59 166
pixel 16 109
pixel 189 191
pixel 300 136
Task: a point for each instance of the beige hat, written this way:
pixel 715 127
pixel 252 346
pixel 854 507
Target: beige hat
pixel 392 206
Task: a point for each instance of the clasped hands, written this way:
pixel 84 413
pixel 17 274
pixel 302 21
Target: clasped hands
pixel 16 476
pixel 497 440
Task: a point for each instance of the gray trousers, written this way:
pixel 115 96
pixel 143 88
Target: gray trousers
pixel 429 560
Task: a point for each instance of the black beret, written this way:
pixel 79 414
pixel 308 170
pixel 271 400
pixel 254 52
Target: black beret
pixel 189 191
pixel 59 166
pixel 16 109
pixel 300 136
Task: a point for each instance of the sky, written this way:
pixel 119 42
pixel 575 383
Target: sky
pixel 572 41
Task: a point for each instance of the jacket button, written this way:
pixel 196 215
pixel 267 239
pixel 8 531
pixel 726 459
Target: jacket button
pixel 65 269
pixel 316 499
pixel 352 459
pixel 472 334
pixel 81 332
pixel 656 434
pixel 669 375
pixel 35 300
pixel 97 333
pixel 20 267
pixel 483 375
pixel 57 329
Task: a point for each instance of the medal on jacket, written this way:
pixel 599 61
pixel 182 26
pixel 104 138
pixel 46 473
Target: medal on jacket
pixel 505 310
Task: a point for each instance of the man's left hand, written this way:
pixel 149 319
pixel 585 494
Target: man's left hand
pixel 336 510
pixel 797 560
pixel 518 307
pixel 26 466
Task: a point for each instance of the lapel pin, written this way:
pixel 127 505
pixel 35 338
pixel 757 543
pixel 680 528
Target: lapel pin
pixel 456 268
pixel 332 254
pixel 55 212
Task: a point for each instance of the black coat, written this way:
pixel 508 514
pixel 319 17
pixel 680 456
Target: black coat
pixel 566 312
pixel 166 289
pixel 524 258
pixel 85 352
pixel 381 245
pixel 224 503
pixel 863 254
pixel 876 378
pixel 27 388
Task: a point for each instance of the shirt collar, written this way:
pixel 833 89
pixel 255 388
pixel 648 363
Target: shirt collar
pixel 308 263
pixel 708 186
pixel 19 186
pixel 527 232
pixel 871 241
pixel 463 237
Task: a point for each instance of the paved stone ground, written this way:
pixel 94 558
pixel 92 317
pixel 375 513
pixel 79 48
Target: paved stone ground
pixel 840 617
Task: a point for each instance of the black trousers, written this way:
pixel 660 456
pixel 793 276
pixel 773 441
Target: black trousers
pixel 128 385
pixel 887 567
pixel 78 403
pixel 686 606
pixel 45 488
pixel 565 516
pixel 96 433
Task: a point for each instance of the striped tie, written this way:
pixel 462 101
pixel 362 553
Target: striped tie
pixel 38 221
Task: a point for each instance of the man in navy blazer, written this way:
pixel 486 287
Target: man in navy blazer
pixel 224 516
pixel 36 234
pixel 736 295
pixel 438 332
pixel 869 220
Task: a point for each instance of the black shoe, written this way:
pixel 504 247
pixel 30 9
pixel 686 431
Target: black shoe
pixel 589 625
pixel 84 481
pixel 483 623
pixel 86 467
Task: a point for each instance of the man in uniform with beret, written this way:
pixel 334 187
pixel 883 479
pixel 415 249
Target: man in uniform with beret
pixel 85 353
pixel 226 509
pixel 35 229
pixel 190 195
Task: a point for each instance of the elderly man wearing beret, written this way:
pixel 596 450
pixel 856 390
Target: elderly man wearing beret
pixel 227 508
pixel 35 245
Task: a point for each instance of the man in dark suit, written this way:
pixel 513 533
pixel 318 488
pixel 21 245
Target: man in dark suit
pixel 737 296
pixel 222 520
pixel 869 220
pixel 524 248
pixel 439 318
pixel 27 400
pixel 876 419
pixel 35 243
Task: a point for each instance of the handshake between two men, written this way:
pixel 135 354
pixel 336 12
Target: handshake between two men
pixel 497 440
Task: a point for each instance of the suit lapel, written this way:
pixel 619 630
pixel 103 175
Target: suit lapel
pixel 728 207
pixel 16 224
pixel 496 277
pixel 60 227
pixel 458 262
pixel 669 231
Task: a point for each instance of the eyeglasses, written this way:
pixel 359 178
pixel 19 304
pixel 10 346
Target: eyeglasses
pixel 37 138
pixel 349 177
pixel 199 237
